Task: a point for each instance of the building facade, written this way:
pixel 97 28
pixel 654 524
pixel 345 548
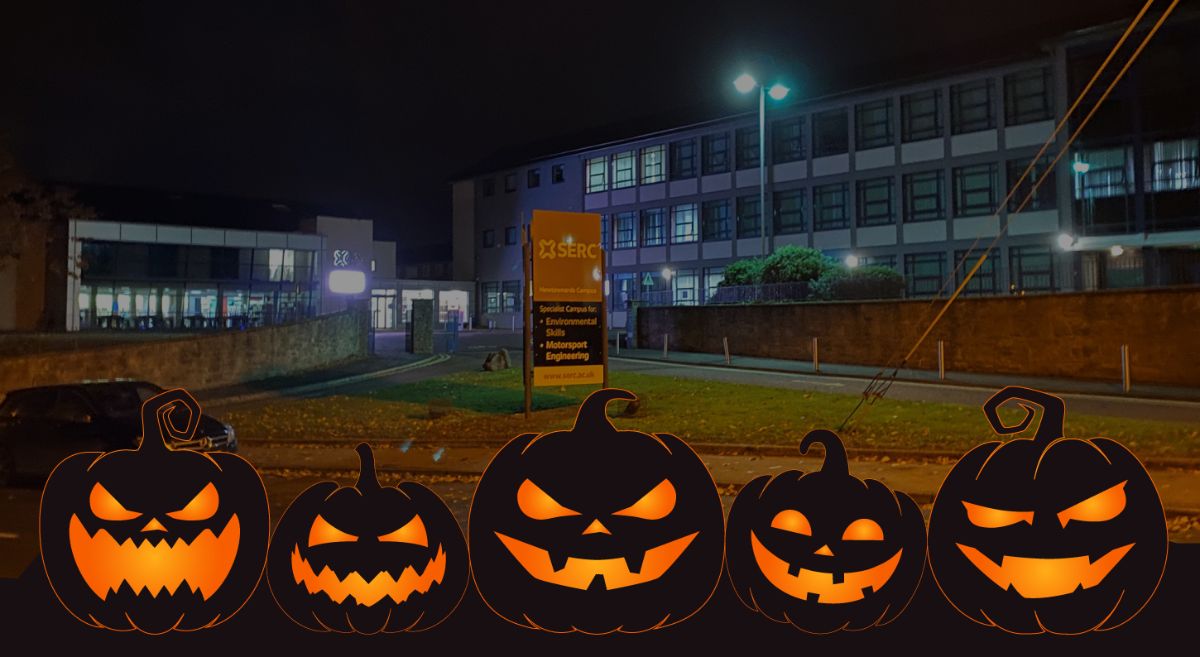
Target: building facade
pixel 912 176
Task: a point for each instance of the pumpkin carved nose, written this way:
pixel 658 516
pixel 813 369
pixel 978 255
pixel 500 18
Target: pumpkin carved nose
pixel 824 550
pixel 154 526
pixel 596 528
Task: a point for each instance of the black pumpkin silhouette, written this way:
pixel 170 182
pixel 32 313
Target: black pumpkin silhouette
pixel 596 530
pixel 1047 534
pixel 824 550
pixel 155 539
pixel 368 558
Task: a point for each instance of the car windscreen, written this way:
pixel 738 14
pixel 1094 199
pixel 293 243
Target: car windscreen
pixel 27 404
pixel 121 401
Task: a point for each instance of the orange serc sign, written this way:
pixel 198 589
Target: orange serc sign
pixel 568 293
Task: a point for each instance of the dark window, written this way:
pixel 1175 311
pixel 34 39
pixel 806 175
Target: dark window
pixel 747 147
pixel 71 407
pixel 510 294
pixel 873 124
pixel 163 261
pixel 1032 269
pixel 749 217
pixel 489 238
pixel 624 165
pixel 224 263
pixel 489 186
pixel 830 133
pixel 829 207
pixel 98 258
pixel 654 226
pixel 28 404
pixel 715 152
pixel 199 262
pixel 921 115
pixel 975 190
pixel 491 297
pixel 604 225
pixel 888 261
pixel 985 280
pixel 789 212
pixel 787 140
pixel 716 220
pixel 510 182
pixel 510 235
pixel 626 230
pixel 924 273
pixel 557 174
pixel 971 107
pixel 875 202
pixel 533 178
pixel 1045 198
pixel 923 196
pixel 683 159
pixel 1027 97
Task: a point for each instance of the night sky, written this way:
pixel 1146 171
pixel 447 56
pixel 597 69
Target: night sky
pixel 370 109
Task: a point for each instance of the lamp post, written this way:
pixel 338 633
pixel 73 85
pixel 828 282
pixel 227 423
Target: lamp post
pixel 745 83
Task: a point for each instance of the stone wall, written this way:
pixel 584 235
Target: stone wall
pixel 1075 335
pixel 202 361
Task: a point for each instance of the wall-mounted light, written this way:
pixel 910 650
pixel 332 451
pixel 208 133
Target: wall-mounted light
pixel 347 281
pixel 851 261
pixel 667 273
pixel 1079 166
pixel 1066 241
pixel 1116 250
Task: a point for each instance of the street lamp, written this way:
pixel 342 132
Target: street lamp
pixel 745 83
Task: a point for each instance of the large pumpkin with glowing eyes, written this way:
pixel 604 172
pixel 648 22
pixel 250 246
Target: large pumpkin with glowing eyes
pixel 1049 534
pixel 825 551
pixel 368 558
pixel 155 539
pixel 596 530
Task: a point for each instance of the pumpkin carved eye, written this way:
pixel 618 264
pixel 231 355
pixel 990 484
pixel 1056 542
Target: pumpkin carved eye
pixel 322 532
pixel 412 532
pixel 1102 506
pixel 791 520
pixel 863 529
pixel 201 507
pixel 989 518
pixel 654 505
pixel 537 503
pixel 106 507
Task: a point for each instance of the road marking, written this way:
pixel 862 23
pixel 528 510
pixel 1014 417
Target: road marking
pixel 10 535
pixel 819 383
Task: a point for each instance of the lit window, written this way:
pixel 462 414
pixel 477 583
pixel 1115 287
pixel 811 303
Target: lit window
pixel 652 164
pixel 654 230
pixel 1172 165
pixel 623 168
pixel 626 230
pixel 683 218
pixel 597 174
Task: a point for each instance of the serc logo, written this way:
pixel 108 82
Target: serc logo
pixel 551 249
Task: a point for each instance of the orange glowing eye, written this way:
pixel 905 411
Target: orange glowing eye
pixel 322 532
pixel 791 520
pixel 654 505
pixel 412 532
pixel 1105 505
pixel 106 507
pixel 537 503
pixel 202 506
pixel 989 518
pixel 863 529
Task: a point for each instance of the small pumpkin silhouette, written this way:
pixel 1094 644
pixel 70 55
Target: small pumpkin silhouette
pixel 368 558
pixel 595 529
pixel 825 551
pixel 1047 534
pixel 155 539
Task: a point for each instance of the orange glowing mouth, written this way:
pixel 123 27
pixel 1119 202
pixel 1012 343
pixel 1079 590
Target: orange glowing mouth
pixel 579 573
pixel 105 564
pixel 1045 578
pixel 365 593
pixel 808 583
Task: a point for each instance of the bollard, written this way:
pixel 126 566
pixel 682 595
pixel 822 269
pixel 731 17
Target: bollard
pixel 816 358
pixel 514 322
pixel 1125 380
pixel 941 361
pixel 664 345
pixel 618 341
pixel 725 341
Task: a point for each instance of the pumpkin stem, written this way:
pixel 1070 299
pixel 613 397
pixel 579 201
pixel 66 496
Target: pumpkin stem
pixel 367 479
pixel 157 427
pixel 835 451
pixel 592 411
pixel 1054 413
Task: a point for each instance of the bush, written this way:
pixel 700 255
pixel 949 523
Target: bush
pixel 871 282
pixel 744 272
pixel 794 264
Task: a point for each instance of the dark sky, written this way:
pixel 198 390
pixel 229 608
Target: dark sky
pixel 369 109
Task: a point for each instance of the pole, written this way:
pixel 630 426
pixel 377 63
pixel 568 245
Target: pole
pixel 725 341
pixel 1125 378
pixel 664 346
pixel 604 318
pixel 763 215
pixel 527 332
pixel 816 357
pixel 941 361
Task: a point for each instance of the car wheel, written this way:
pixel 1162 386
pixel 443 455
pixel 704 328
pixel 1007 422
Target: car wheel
pixel 7 466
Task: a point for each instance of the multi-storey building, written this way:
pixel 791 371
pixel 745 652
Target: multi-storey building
pixel 911 175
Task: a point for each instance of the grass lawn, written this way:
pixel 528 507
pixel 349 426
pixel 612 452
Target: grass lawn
pixel 482 407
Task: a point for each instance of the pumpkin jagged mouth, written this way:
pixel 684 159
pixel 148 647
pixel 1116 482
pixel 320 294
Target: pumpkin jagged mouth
pixel 1045 578
pixel 583 574
pixel 367 593
pixel 816 586
pixel 152 566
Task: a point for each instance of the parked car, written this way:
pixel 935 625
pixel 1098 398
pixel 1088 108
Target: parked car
pixel 41 426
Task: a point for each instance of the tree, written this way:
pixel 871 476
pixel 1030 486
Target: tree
pixel 795 264
pixel 870 282
pixel 743 272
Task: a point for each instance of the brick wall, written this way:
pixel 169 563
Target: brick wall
pixel 199 362
pixel 1077 335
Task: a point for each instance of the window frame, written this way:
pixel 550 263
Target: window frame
pixel 659 166
pixel 787 147
pixel 824 135
pixel 961 109
pixel 714 153
pixel 910 212
pixel 715 228
pixel 862 188
pixel 510 235
pixel 1046 197
pixel 624 169
pixel 488 238
pixel 821 218
pixel 913 124
pixel 558 174
pixel 689 235
pixel 533 178
pixel 644 227
pixel 743 216
pixel 1014 113
pixel 746 146
pixel 682 154
pixel 510 182
pixel 963 205
pixel 987 272
pixel 863 141
pixel 625 236
pixel 595 177
pixel 798 217
pixel 911 279
pixel 1018 273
